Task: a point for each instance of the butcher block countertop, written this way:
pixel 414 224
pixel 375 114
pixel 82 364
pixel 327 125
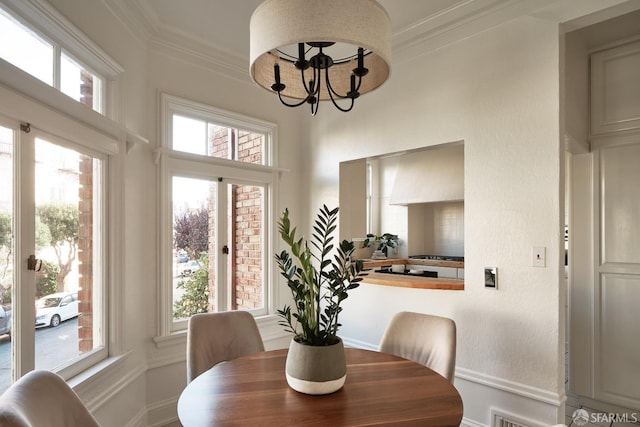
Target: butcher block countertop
pixel 409 280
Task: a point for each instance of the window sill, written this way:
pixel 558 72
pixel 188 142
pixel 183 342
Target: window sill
pixel 101 369
pixel 175 338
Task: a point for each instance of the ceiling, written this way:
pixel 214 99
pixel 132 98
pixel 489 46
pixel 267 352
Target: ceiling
pixel 217 31
pixel 223 25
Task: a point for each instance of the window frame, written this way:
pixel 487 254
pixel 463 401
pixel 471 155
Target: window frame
pixel 23 357
pixel 50 25
pixel 177 163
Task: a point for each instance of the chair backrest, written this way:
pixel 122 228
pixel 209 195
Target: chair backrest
pixel 216 337
pixel 423 338
pixel 43 399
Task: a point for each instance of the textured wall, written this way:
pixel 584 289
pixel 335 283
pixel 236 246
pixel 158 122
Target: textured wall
pixel 498 92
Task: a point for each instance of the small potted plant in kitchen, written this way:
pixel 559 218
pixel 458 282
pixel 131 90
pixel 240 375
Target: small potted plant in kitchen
pixel 320 276
pixel 382 242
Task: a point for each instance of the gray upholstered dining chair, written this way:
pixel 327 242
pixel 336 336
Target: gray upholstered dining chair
pixel 43 399
pixel 423 338
pixel 217 337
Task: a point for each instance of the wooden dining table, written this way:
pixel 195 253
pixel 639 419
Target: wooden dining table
pixel 380 389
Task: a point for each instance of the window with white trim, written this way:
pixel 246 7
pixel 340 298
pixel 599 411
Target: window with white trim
pixel 60 195
pixel 38 40
pixel 59 219
pixel 218 182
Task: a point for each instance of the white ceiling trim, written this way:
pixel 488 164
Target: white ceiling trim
pixel 460 22
pixel 466 18
pixel 198 52
pixel 139 20
pixel 143 23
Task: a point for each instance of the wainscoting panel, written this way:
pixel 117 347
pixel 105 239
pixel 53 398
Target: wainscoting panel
pixel 495 402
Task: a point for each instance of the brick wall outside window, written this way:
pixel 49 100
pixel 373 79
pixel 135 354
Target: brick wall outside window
pixel 85 236
pixel 85 255
pixel 245 262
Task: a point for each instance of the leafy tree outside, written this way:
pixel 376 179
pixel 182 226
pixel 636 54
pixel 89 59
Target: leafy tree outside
pixel 191 232
pixel 46 279
pixel 195 298
pixel 6 245
pixel 63 223
pixel 43 278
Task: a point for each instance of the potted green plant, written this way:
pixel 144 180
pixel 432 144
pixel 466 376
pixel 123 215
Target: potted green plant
pixel 383 242
pixel 320 276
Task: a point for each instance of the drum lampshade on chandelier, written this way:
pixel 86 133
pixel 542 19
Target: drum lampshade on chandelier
pixel 309 51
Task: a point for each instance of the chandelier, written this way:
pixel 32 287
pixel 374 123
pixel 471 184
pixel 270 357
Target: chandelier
pixel 307 51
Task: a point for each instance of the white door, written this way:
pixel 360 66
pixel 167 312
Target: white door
pixel 604 232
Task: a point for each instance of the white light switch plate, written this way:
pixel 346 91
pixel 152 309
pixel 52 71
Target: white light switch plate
pixel 538 256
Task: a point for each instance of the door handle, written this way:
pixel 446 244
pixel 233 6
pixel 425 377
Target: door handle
pixel 34 263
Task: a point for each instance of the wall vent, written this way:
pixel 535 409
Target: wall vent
pixel 501 418
pixel 499 421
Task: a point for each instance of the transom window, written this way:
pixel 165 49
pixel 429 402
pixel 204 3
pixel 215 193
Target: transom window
pixel 218 182
pixel 29 41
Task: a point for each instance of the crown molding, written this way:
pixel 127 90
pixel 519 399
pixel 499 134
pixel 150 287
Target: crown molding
pixel 138 18
pixel 142 22
pixel 458 22
pixel 196 51
pixel 464 19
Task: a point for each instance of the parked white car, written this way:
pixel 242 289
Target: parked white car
pixel 55 308
pixel 189 267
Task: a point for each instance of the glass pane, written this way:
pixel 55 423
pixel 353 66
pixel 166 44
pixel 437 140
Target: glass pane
pixel 79 83
pixel 207 139
pixel 24 49
pixel 245 267
pixel 68 240
pixel 234 144
pixel 6 253
pixel 189 135
pixel 250 148
pixel 194 205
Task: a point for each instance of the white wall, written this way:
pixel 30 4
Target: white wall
pixel 497 91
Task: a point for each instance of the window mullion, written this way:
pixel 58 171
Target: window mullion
pixel 222 239
pixel 24 229
pixel 57 56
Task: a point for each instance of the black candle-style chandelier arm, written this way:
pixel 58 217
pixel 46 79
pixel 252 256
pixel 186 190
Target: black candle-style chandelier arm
pixel 360 70
pixel 313 88
pixel 332 93
pixel 314 107
pixel 291 105
pixel 318 63
pixel 278 87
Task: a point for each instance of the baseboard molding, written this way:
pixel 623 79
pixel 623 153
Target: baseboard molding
pixel 466 422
